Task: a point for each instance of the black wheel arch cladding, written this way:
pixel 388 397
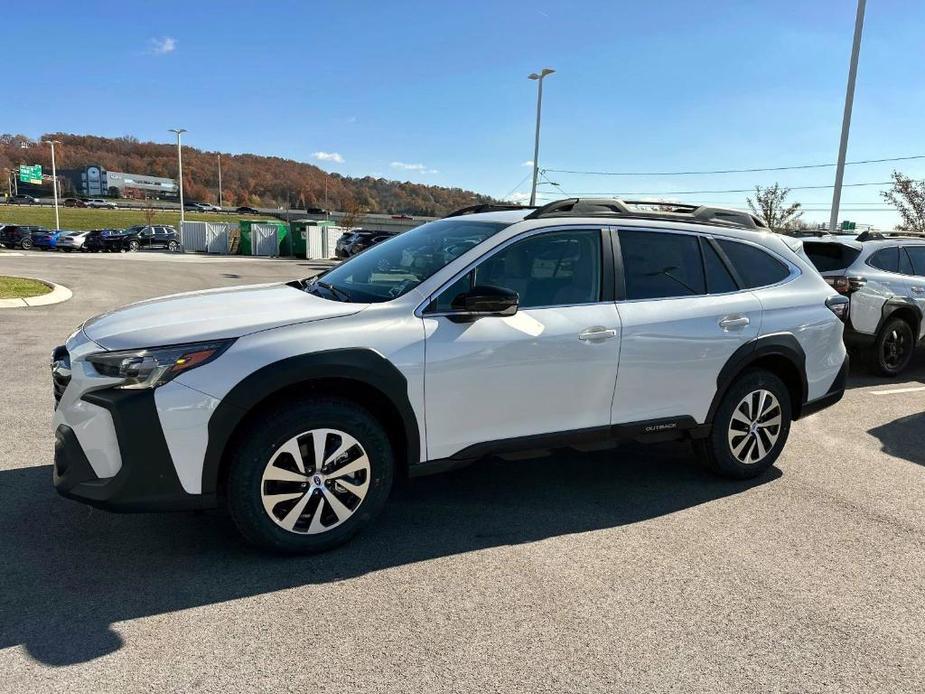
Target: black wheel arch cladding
pixel 362 366
pixel 779 347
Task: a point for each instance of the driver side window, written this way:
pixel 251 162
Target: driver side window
pixel 561 268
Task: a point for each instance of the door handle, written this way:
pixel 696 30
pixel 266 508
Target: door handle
pixel 597 333
pixel 733 322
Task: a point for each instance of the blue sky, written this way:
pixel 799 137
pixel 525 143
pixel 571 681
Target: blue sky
pixel 437 92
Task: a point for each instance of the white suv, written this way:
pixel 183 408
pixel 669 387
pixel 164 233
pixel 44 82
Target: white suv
pixel 584 321
pixel 883 274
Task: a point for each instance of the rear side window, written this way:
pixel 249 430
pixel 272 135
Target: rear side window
pixel 917 253
pixel 828 257
pixel 886 259
pixel 719 281
pixel 658 265
pixel 755 267
pixel 905 263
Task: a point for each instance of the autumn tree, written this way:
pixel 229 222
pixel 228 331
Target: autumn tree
pixel 353 215
pixel 908 197
pixel 770 204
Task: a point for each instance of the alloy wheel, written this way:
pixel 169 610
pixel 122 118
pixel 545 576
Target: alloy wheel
pixel 755 426
pixel 895 349
pixel 315 481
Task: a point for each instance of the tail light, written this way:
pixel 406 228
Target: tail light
pixel 845 285
pixel 838 305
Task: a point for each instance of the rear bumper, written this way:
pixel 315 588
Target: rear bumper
pixel 147 479
pixel 835 393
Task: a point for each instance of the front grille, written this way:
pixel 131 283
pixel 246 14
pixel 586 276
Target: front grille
pixel 60 372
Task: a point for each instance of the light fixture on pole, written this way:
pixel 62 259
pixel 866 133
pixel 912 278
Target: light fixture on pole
pixel 536 142
pixel 846 117
pixel 54 179
pixel 180 131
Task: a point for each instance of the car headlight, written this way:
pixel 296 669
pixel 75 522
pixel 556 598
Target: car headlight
pixel 150 368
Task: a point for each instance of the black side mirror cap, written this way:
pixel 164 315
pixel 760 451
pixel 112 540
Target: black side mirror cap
pixel 486 300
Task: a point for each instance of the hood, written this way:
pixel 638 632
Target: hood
pixel 210 315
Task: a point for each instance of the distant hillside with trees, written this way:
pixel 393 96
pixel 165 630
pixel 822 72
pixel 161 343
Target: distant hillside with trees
pixel 247 179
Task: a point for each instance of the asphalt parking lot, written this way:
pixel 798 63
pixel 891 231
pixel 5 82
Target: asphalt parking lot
pixel 622 570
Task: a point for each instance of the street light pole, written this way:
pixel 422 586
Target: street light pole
pixel 180 131
pixel 536 142
pixel 54 179
pixel 846 118
pixel 220 203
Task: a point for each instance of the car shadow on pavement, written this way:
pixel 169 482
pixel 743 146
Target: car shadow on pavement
pixel 861 375
pixel 903 437
pixel 71 572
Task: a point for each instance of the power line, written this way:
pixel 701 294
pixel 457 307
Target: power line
pixel 732 190
pixel 514 189
pixel 731 171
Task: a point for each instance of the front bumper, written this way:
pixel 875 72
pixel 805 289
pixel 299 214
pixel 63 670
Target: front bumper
pixel 147 479
pixel 835 393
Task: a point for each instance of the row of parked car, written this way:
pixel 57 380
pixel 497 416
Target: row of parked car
pixel 352 242
pixel 98 240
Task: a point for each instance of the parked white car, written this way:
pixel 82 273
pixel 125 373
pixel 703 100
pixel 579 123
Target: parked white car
pixel 584 321
pixel 72 241
pixel 883 274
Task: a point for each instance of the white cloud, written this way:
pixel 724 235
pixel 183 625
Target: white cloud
pixel 518 197
pixel 420 168
pixel 163 45
pixel 328 156
pixel 529 162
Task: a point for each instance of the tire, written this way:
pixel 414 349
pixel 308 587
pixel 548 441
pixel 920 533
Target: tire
pixel 738 456
pixel 132 246
pixel 893 348
pixel 172 246
pixel 261 457
pixel 26 244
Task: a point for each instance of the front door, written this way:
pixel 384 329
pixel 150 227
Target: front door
pixel 683 316
pixel 550 368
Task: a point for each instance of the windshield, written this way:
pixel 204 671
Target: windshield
pixel 399 264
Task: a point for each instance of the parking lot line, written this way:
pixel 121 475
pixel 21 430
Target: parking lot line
pixel 897 391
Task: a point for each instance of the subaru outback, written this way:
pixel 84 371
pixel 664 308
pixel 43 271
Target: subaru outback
pixel 490 331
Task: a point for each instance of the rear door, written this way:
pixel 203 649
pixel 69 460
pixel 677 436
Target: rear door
pixel 683 314
pixel 916 281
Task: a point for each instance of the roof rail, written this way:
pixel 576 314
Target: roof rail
pixel 648 209
pixel 486 207
pixel 881 235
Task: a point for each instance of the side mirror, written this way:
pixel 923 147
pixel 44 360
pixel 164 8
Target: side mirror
pixel 486 300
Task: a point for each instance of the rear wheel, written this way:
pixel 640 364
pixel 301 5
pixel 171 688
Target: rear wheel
pixel 893 347
pixel 133 245
pixel 26 244
pixel 750 426
pixel 308 476
pixel 172 246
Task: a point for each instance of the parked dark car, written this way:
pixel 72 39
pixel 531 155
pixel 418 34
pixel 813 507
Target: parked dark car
pixel 18 236
pixel 22 199
pixel 74 202
pixel 246 210
pixel 96 240
pixel 143 236
pixel 354 242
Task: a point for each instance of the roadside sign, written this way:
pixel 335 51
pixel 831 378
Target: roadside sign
pixel 30 173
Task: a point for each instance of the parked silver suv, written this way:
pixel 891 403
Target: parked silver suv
pixel 883 274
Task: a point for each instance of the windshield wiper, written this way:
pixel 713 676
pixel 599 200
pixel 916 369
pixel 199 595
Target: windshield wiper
pixel 336 292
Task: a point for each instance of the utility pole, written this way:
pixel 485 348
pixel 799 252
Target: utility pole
pixel 54 180
pixel 536 142
pixel 220 202
pixel 180 131
pixel 846 118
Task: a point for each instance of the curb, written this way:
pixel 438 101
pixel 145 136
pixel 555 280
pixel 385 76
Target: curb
pixel 57 294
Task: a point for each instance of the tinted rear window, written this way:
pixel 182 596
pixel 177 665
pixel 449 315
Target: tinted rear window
pixel 830 256
pixel 755 267
pixel 886 259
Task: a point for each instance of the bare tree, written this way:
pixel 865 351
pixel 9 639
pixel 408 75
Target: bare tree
pixel 771 204
pixel 908 197
pixel 353 215
pixel 148 213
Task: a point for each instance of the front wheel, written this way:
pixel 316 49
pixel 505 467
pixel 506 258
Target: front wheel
pixel 26 244
pixel 306 477
pixel 750 427
pixel 133 246
pixel 893 348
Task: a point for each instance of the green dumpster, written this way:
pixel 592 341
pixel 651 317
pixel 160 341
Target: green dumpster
pixel 264 237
